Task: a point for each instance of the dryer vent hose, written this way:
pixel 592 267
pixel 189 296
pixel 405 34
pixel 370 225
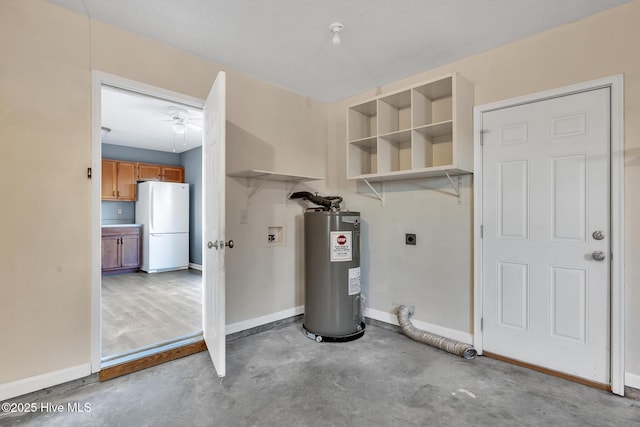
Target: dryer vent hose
pixel 327 202
pixel 451 346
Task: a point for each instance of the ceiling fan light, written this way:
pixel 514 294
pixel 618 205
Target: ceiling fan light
pixel 178 128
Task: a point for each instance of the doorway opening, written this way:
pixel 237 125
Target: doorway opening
pixel 150 275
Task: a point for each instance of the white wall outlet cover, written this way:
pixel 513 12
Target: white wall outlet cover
pixel 275 235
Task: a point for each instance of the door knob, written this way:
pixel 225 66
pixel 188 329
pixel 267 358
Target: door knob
pixel 229 243
pixel 598 235
pixel 598 256
pixel 212 245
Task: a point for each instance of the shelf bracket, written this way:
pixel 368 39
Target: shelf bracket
pixel 257 187
pixel 456 187
pixel 379 196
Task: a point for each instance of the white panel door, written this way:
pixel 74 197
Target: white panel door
pixel 213 224
pixel 545 217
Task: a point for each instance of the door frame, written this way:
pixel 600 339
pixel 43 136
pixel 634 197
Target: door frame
pixel 617 303
pixel 98 79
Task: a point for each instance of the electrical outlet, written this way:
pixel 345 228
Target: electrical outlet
pixel 410 239
pixel 119 211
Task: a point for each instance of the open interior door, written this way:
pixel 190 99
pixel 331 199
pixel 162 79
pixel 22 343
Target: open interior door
pixel 213 223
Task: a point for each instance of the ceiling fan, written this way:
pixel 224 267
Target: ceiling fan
pixel 181 119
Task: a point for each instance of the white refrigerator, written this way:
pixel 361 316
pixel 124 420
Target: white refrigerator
pixel 163 210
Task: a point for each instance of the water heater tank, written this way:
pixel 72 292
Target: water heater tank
pixel 333 306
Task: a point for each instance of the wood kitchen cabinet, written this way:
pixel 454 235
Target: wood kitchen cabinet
pixel 118 180
pixel 120 249
pixel 152 172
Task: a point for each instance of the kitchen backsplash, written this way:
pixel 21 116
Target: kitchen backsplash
pixel 118 212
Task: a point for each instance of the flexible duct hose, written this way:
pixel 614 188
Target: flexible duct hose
pixel 451 346
pixel 324 201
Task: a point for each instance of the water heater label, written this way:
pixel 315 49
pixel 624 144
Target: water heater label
pixel 354 281
pixel 341 246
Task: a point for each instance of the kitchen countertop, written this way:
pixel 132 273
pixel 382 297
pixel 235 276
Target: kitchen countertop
pixel 121 225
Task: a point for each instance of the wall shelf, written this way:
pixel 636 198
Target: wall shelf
pixel 263 176
pixel 423 131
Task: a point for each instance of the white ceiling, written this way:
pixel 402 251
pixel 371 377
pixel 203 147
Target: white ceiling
pixel 288 43
pixel 144 122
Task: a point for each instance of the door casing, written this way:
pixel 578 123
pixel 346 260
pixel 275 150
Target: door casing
pixel 616 85
pixel 99 79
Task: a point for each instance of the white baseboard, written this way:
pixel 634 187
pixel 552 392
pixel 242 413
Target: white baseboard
pixel 31 384
pixel 195 266
pixel 632 380
pixel 263 320
pixel 391 318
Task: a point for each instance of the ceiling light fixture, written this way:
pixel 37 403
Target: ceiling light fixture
pixel 335 28
pixel 178 126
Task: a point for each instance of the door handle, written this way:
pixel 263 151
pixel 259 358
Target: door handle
pixel 220 245
pixel 598 255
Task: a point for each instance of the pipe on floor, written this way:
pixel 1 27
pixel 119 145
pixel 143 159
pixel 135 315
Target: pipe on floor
pixel 451 346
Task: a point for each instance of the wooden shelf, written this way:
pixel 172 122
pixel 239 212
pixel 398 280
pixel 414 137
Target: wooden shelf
pixel 262 176
pixel 433 172
pixel 273 176
pixel 436 129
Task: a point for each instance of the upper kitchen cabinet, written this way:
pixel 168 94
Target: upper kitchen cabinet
pixel 422 131
pixel 118 180
pixel 149 172
pixel 172 174
pixel 152 172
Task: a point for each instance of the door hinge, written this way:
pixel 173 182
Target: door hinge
pixel 481 324
pixel 481 231
pixel 89 172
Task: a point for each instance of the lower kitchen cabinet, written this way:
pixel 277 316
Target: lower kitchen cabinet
pixel 120 249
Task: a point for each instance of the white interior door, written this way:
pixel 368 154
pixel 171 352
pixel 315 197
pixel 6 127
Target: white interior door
pixel 213 223
pixel 546 244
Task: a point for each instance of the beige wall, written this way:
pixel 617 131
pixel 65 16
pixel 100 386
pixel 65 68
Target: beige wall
pixel 45 117
pixel 432 279
pixel 45 127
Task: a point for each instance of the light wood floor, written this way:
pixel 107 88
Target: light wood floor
pixel 141 309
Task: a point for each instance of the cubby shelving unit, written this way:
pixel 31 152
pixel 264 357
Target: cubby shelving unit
pixel 423 131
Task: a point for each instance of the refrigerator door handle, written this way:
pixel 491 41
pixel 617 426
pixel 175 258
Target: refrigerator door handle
pixel 151 206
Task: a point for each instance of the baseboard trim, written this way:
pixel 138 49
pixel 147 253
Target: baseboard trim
pixel 152 360
pixel 39 382
pixel 606 387
pixel 632 380
pixel 391 318
pixel 233 328
pixel 195 266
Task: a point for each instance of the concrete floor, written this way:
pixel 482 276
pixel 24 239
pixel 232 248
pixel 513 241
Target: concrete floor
pixel 280 378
